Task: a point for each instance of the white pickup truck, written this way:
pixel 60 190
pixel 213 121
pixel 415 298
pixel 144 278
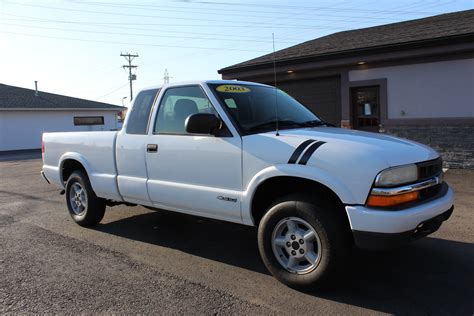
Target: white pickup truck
pixel 248 153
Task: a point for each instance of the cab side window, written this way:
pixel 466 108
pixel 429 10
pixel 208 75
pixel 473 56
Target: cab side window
pixel 138 120
pixel 176 105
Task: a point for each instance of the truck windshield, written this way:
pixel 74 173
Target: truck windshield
pixel 254 108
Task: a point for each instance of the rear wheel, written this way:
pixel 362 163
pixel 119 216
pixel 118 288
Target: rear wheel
pixel 303 243
pixel 85 208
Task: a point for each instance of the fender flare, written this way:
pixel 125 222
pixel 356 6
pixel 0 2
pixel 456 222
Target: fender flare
pixel 296 171
pixel 77 157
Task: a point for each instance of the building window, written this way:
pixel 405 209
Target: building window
pixel 88 120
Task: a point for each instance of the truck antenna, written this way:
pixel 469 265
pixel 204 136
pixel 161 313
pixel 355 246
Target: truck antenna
pixel 275 84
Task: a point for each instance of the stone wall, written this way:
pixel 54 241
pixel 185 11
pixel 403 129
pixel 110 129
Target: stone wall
pixel 455 143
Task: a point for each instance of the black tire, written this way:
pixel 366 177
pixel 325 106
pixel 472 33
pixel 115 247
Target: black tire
pixel 334 235
pixel 94 208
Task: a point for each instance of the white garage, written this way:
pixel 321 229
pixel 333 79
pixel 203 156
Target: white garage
pixel 26 114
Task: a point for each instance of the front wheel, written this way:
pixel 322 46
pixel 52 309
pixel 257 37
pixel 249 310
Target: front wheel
pixel 303 243
pixel 85 208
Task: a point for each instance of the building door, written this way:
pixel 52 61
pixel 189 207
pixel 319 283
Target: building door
pixel 366 108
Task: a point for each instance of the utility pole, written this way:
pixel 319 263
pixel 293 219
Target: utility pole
pixel 130 57
pixel 166 77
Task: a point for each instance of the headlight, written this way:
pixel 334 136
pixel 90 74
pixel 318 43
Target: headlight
pixel 396 176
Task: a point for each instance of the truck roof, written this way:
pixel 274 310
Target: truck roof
pixel 204 82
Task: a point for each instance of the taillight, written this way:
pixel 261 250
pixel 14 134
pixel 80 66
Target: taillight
pixel 42 146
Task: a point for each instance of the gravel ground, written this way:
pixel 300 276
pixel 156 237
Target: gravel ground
pixel 140 261
pixel 44 272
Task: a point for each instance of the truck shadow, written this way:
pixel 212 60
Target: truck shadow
pixel 429 276
pixel 220 241
pixel 434 276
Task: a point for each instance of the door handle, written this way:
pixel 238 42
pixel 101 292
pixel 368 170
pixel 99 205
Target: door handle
pixel 152 148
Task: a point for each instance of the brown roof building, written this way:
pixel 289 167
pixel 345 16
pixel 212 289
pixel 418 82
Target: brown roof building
pixel 414 79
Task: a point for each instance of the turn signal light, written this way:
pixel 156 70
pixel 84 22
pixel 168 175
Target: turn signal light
pixel 392 200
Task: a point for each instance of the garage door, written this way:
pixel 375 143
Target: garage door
pixel 320 95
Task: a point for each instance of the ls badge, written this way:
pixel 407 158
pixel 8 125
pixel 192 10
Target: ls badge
pixel 226 198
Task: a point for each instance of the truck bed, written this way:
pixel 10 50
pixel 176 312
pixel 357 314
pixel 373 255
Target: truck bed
pixel 96 152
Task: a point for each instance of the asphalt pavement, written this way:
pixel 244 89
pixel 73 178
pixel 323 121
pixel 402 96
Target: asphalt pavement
pixel 143 261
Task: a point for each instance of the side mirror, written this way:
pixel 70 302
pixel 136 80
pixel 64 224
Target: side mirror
pixel 202 123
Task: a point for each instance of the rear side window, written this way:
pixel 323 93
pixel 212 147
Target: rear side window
pixel 138 120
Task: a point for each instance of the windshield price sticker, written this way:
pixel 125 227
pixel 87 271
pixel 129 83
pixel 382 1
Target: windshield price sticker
pixel 228 88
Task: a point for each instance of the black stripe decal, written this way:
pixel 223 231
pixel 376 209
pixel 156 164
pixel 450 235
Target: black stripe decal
pixel 310 152
pixel 299 150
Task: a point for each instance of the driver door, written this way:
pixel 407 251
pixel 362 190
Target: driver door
pixel 195 174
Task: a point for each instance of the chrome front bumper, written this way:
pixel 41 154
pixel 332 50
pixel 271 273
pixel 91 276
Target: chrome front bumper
pixel 362 218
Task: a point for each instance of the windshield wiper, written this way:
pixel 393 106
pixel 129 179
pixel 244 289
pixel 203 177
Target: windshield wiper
pixel 287 123
pixel 281 123
pixel 314 123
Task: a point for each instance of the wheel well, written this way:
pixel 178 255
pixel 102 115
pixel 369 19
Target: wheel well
pixel 272 189
pixel 69 166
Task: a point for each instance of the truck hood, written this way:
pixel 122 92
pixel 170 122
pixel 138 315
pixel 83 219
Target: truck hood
pixel 347 161
pixel 392 150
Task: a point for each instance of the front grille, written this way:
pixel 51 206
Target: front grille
pixel 430 192
pixel 429 169
pixel 426 195
pixel 426 170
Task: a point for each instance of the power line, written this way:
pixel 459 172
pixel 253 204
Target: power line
pixel 119 14
pixel 128 43
pixel 133 34
pixel 254 24
pixel 129 58
pixel 304 7
pixel 332 7
pixel 345 26
pixel 279 18
pixel 120 25
pixel 163 8
pixel 164 24
pixel 109 93
pixel 233 26
pixel 232 9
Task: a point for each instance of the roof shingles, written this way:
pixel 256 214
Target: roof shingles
pixel 12 97
pixel 431 28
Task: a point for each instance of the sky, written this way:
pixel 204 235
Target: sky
pixel 73 47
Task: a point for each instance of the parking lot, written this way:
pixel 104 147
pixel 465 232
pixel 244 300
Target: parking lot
pixel 142 261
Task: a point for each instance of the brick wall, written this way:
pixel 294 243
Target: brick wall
pixel 455 143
